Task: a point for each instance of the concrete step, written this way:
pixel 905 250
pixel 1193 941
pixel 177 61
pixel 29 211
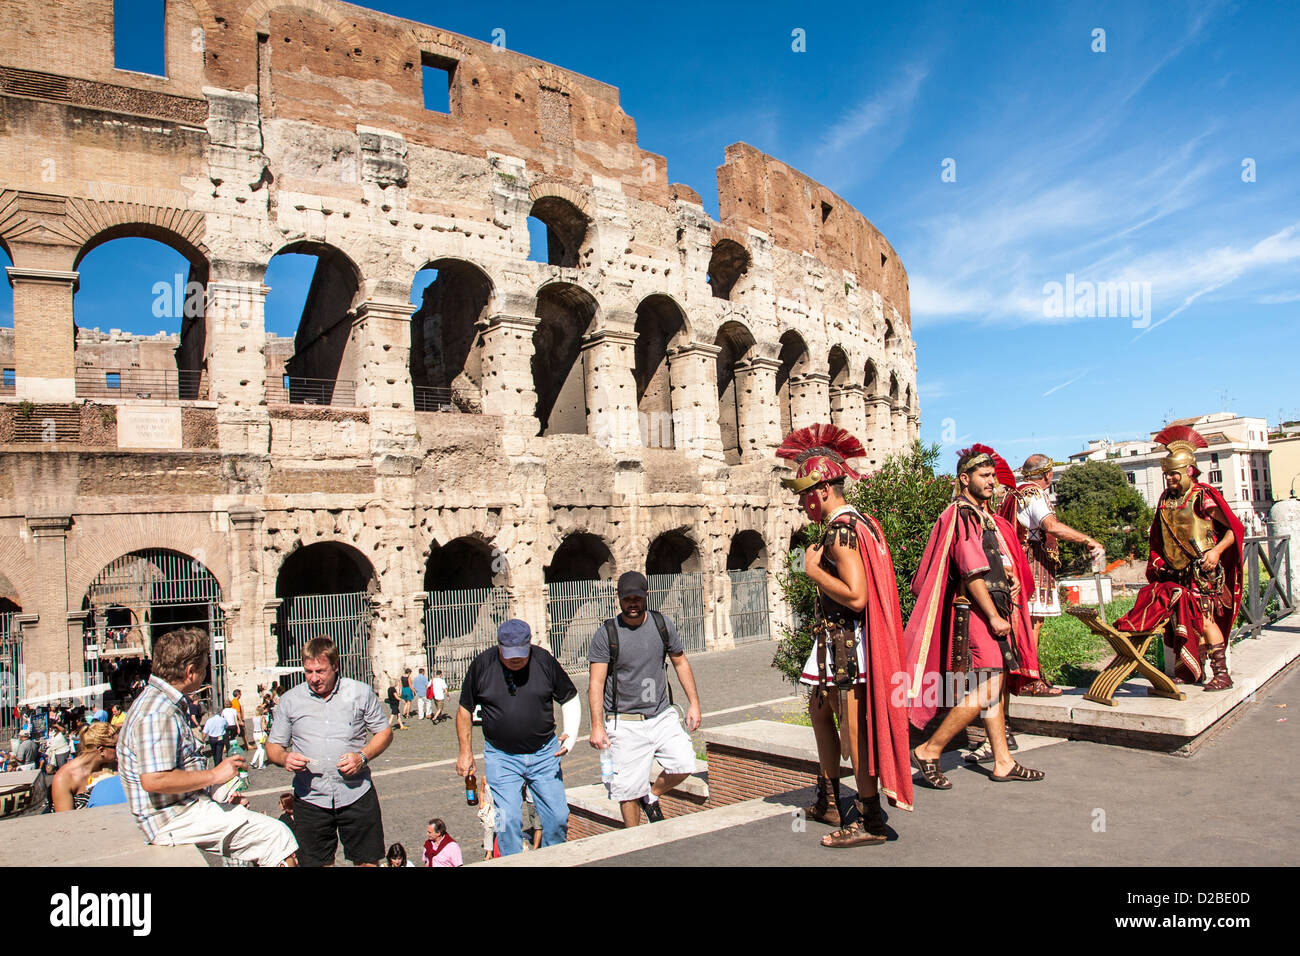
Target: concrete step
pixel 1158 723
pixel 103 836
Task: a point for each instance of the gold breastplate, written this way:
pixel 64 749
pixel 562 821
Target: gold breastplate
pixel 1186 535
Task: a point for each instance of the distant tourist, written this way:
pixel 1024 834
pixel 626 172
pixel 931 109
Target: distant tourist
pixel 70 788
pixel 440 849
pixel 397 856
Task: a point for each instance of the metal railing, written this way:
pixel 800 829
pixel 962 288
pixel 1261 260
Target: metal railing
pixel 343 617
pixel 168 385
pixel 574 609
pixel 460 625
pixel 431 399
pixel 750 620
pixel 681 597
pixel 311 391
pixel 1265 601
pixel 12 675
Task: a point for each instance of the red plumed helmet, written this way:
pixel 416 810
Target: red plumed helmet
pixel 820 454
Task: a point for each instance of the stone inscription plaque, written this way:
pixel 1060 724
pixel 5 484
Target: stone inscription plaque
pixel 148 427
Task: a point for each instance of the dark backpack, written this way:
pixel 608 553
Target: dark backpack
pixel 611 630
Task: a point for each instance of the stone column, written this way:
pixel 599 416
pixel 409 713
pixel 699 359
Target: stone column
pixel 234 351
pixel 44 340
pixel 808 399
pixel 852 411
pixel 248 641
pixel 608 359
pixel 52 648
pixel 381 341
pixel 759 414
pixel 878 440
pixel 898 427
pixel 693 382
pixel 507 366
pixel 913 428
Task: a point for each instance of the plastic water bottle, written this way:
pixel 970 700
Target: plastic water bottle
pixel 606 766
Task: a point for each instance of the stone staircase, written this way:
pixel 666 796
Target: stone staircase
pixel 48 423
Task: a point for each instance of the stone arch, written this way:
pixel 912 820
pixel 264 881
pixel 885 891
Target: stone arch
pixel 891 340
pixel 838 367
pixel 747 551
pixel 446 350
pixel 468 561
pixel 673 552
pixel 566 313
pixel 567 215
pixel 177 228
pixel 661 325
pixel 328 566
pixel 17 579
pixel 737 345
pixel 871 379
pixel 579 556
pixel 795 362
pixel 729 261
pixel 97 549
pixel 258 12
pixel 324 350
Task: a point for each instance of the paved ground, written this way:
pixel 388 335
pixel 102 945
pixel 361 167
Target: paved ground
pixel 1232 804
pixel 416 777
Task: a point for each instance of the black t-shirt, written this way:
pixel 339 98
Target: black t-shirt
pixel 522 722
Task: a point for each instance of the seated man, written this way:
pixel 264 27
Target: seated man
pixel 165 775
pixel 1194 568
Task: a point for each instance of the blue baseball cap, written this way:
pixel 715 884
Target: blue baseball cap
pixel 515 638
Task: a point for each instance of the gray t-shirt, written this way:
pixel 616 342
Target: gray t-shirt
pixel 642 683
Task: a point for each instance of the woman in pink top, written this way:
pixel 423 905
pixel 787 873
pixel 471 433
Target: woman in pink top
pixel 440 849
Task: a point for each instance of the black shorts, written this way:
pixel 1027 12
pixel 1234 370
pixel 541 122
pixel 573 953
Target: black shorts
pixel 359 824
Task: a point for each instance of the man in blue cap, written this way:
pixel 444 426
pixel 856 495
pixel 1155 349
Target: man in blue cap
pixel 517 685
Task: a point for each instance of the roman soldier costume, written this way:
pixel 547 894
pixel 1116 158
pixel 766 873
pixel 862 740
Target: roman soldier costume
pixel 1191 519
pixel 944 637
pixel 861 650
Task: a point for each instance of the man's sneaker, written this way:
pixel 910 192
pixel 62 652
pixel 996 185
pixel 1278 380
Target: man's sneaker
pixel 653 812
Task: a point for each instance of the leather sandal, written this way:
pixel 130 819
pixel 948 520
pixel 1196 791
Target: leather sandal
pixel 1218 658
pixel 826 809
pixel 857 833
pixel 930 772
pixel 1018 773
pixel 1039 688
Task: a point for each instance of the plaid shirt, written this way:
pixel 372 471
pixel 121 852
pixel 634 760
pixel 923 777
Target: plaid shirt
pixel 155 738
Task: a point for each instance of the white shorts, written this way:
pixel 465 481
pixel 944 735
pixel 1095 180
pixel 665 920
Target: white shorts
pixel 809 674
pixel 635 744
pixel 233 831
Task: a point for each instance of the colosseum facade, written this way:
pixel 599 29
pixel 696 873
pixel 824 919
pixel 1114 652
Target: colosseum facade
pixel 403 471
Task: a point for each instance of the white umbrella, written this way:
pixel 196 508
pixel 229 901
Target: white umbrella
pixel 90 691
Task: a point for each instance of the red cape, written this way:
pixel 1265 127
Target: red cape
pixel 888 751
pixel 1153 600
pixel 929 630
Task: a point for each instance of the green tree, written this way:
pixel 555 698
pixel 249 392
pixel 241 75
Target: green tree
pixel 1097 499
pixel 906 497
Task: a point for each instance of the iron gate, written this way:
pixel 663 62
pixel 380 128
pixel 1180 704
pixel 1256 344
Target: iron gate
pixel 460 625
pixel 141 596
pixel 344 618
pixel 749 617
pixel 681 598
pixel 12 675
pixel 574 609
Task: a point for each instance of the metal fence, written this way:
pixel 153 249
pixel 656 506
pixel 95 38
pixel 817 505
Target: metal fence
pixel 431 399
pixel 311 391
pixel 1265 600
pixel 12 675
pixel 142 595
pixel 345 618
pixel 681 597
pixel 574 609
pixel 460 625
pixel 750 620
pixel 175 385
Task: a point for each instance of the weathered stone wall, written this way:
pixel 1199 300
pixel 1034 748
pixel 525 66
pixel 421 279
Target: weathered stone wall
pixel 301 128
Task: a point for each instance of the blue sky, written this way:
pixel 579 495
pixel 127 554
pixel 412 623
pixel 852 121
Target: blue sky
pixel 1117 166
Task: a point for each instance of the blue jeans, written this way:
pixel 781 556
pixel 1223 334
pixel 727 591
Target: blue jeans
pixel 506 775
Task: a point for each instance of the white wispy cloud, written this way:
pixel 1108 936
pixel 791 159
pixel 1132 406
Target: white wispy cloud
pixel 888 106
